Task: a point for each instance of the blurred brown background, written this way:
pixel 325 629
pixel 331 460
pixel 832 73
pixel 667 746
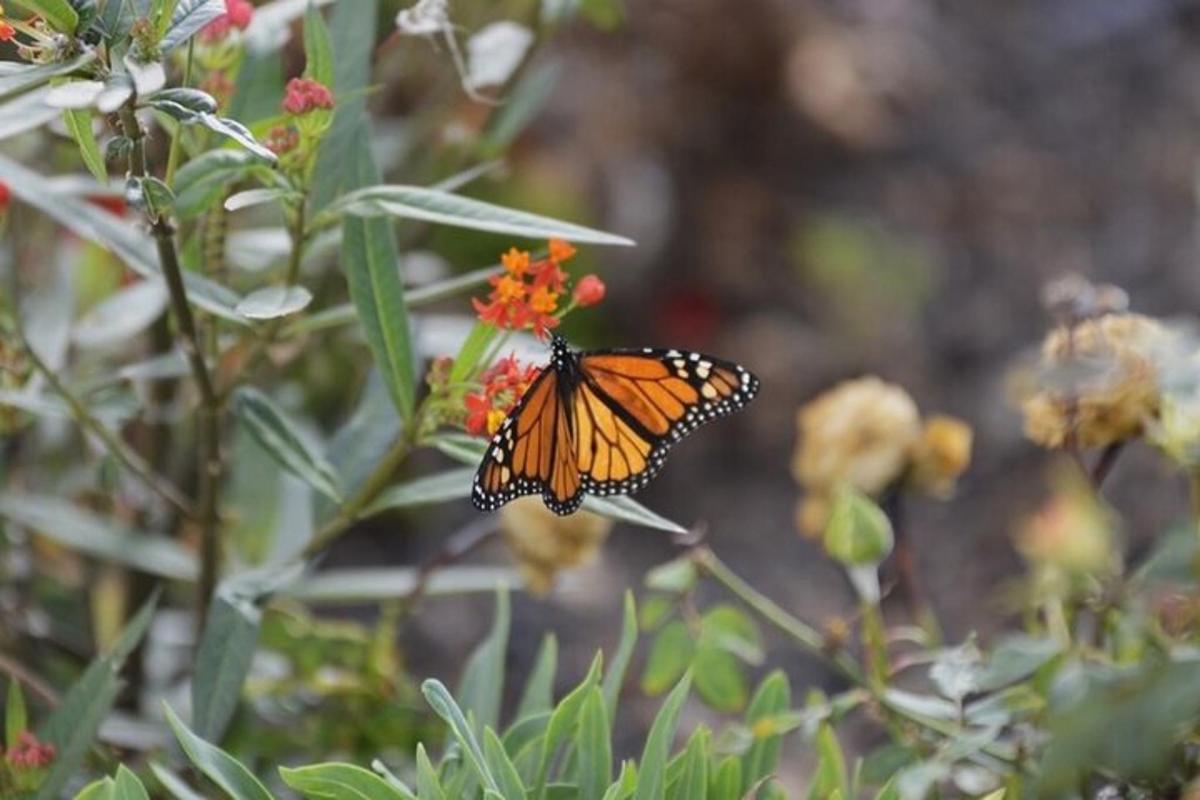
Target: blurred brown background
pixel 826 189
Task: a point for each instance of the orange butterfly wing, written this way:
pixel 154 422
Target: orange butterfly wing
pixel 532 453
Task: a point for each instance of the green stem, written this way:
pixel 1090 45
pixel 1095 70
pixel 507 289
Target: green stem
pixel 805 635
pixel 116 446
pixel 173 153
pixel 375 483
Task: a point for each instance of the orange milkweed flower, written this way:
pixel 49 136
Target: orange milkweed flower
pixel 515 262
pixel 561 251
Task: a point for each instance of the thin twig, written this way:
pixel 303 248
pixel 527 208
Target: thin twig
pixel 113 443
pixel 905 558
pixel 19 672
pixel 1104 465
pixel 456 547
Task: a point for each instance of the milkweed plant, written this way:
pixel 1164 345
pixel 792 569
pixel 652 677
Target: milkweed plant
pixel 227 342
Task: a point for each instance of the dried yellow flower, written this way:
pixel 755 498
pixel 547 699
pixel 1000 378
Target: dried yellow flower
pixel 1072 531
pixel 544 543
pixel 941 455
pixel 861 432
pixel 1107 388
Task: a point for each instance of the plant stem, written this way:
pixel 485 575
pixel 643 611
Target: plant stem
pixel 116 446
pixel 173 153
pixel 805 635
pixel 375 483
pixel 905 559
pixel 208 414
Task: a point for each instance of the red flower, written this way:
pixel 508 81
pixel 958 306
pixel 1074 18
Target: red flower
pixel 303 95
pixel 29 753
pixel 237 15
pixel 5 196
pixel 589 291
pixel 7 32
pixel 478 406
pixel 504 383
pixel 526 296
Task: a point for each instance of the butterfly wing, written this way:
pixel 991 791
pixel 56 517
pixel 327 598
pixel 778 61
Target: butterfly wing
pixel 532 453
pixel 631 405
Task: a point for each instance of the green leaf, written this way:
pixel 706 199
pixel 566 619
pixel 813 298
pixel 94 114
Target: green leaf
pixel 562 723
pixel 230 128
pixel 1015 658
pixel 676 576
pixel 453 484
pixel 279 436
pixel 189 17
pixel 101 789
pixel 373 584
pixel 79 125
pixel 511 786
pixel 482 684
pixel 273 302
pixel 200 181
pixel 173 784
pixel 16 719
pixel 131 245
pixel 831 774
pixel 858 532
pixel 157 196
pixel 335 781
pixel 730 629
pixel 222 662
pixel 443 704
pixel 369 259
pixel 692 783
pixel 73 725
pixel 128 786
pixel 593 747
pixel 521 107
pixel 538 695
pixel 670 655
pixel 726 782
pixel 431 205
pixel 81 530
pixel 466 364
pixel 218 766
pixel 429 786
pixel 719 679
pixel 652 769
pixel 625 784
pixel 24 78
pixel 773 696
pixel 318 50
pixel 615 675
pixel 121 316
pixel 58 13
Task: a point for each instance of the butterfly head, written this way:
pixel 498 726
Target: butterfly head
pixel 560 350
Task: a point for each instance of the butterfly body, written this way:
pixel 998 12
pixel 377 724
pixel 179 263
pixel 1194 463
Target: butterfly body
pixel 602 421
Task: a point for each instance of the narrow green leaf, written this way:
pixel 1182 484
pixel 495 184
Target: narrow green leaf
pixel 279 437
pixel 453 484
pixel 355 585
pixel 318 50
pixel 466 363
pixel 273 302
pixel 16 718
pixel 200 181
pixel 222 662
pixel 188 18
pixel 429 786
pixel 128 786
pixel 335 781
pixel 225 126
pixel 773 696
pixel 726 782
pixel 218 766
pixel 482 684
pixel 173 784
pixel 692 783
pixel 443 704
pixel 538 695
pixel 562 723
pixel 369 259
pixel 79 125
pixel 593 747
pixel 73 725
pixel 615 676
pixel 511 786
pixel 670 655
pixel 58 13
pixel 87 533
pixel 831 776
pixel 652 768
pixel 720 680
pixel 625 784
pixel 27 77
pixel 431 205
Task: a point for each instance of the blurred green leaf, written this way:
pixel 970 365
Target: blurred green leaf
pixel 652 769
pixel 858 532
pixel 224 126
pixel 16 718
pixel 188 18
pixel 28 76
pixel 626 509
pixel 128 786
pixel 563 721
pixel 670 655
pixel 333 781
pixel 719 678
pixel 429 786
pixel 482 686
pixel 26 112
pixel 273 302
pixel 73 725
pixel 526 100
pixel 773 696
pixel 443 704
pixel 121 316
pixel 538 695
pixel 431 205
pixel 373 584
pixel 173 784
pixel 922 705
pixel 369 260
pixel 318 50
pixel 831 776
pixel 467 362
pixel 956 671
pixel 58 13
pixel 279 436
pixel 203 179
pixel 79 125
pixel 625 784
pixel 692 783
pixel 614 677
pixel 1016 658
pixel 677 576
pixel 256 197
pixel 222 663
pixel 104 539
pixel 593 747
pixel 731 629
pixel 511 786
pixel 218 766
pixel 453 484
pixel 101 789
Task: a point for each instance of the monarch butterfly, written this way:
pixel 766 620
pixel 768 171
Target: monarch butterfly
pixel 602 422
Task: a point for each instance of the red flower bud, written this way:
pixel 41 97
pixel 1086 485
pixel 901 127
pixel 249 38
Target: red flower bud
pixel 589 291
pixel 303 95
pixel 5 195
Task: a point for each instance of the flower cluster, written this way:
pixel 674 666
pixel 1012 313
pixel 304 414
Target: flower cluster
pixel 527 295
pixel 5 197
pixel 302 95
pixel 7 31
pixel 23 767
pixel 544 543
pixel 503 385
pixel 238 14
pixel 869 435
